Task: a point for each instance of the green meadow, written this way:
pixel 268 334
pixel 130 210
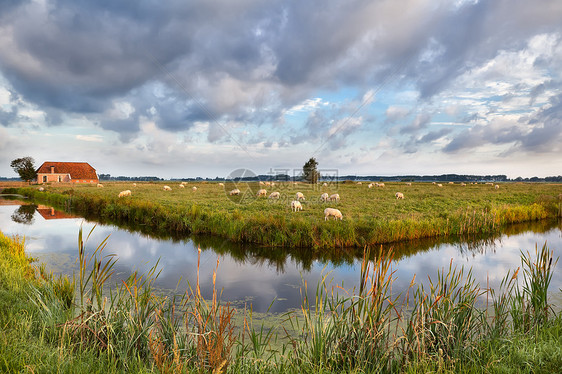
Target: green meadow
pixel 370 215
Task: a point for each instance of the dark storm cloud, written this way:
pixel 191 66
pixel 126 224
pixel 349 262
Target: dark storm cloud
pixel 225 60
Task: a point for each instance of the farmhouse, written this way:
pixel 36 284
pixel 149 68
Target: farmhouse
pixel 69 172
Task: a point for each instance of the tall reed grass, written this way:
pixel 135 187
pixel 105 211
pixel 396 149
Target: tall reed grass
pixel 449 323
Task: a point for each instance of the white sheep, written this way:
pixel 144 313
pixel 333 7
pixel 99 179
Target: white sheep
pixel 324 197
pixel 296 205
pixel 261 183
pixel 100 185
pixel 193 188
pixel 167 188
pixel 182 186
pixel 399 195
pixel 299 196
pixel 332 212
pixel 370 185
pixel 463 184
pixel 41 189
pixel 221 184
pixel 451 182
pixel 497 186
pixel 125 193
pixel 324 184
pixel 335 197
pixel 134 184
pixel 380 184
pixel 359 183
pixel 235 191
pixel 262 192
pixel 408 183
pixel 433 182
pixel 439 185
pixel 274 195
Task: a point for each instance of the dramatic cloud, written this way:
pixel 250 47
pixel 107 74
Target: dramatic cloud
pixel 325 76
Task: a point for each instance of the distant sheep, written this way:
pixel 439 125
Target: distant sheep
pixel 221 184
pixel 274 195
pixel 324 197
pixel 408 183
pixel 167 188
pixel 399 195
pixel 296 205
pixel 332 212
pixel 299 196
pixel 182 186
pixel 193 188
pixel 262 192
pixel 100 185
pixel 335 197
pixel 125 193
pixel 379 184
pixel 497 186
pixel 261 183
pixel 463 184
pixel 359 183
pixel 235 191
pixel 134 184
pixel 324 184
pixel 451 182
pixel 433 183
pixel 41 189
pixel 439 185
pixel 370 185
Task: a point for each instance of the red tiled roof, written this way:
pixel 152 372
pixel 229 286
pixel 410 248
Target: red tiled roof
pixel 77 170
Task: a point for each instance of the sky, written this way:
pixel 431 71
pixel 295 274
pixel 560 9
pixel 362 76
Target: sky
pixel 201 88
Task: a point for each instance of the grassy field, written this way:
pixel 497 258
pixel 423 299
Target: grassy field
pixel 370 215
pixel 50 324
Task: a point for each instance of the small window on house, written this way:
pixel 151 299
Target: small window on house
pixel 44 179
pixel 60 178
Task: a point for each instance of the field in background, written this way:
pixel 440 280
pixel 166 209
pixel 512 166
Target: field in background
pixel 370 215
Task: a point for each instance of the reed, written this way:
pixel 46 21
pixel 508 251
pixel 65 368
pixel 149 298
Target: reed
pixel 440 326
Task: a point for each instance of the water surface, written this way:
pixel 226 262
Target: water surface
pixel 258 275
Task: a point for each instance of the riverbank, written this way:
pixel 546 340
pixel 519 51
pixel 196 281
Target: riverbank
pixel 50 324
pixel 371 216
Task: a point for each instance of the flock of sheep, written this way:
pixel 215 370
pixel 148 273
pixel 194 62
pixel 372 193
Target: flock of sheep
pixel 299 196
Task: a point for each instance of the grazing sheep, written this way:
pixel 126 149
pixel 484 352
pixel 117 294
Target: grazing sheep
pixel 380 184
pixel 399 195
pixel 497 186
pixel 370 185
pixel 451 182
pixel 193 188
pixel 324 197
pixel 262 192
pixel 235 191
pixel 41 189
pixel 359 183
pixel 463 184
pixel 167 188
pixel 134 184
pixel 408 183
pixel 182 186
pixel 268 183
pixel 299 196
pixel 274 195
pixel 296 205
pixel 324 184
pixel 272 184
pixel 100 185
pixel 221 184
pixel 125 193
pixel 261 183
pixel 332 212
pixel 433 183
pixel 335 197
pixel 439 185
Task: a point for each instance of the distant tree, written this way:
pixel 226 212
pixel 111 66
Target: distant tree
pixel 25 168
pixel 310 171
